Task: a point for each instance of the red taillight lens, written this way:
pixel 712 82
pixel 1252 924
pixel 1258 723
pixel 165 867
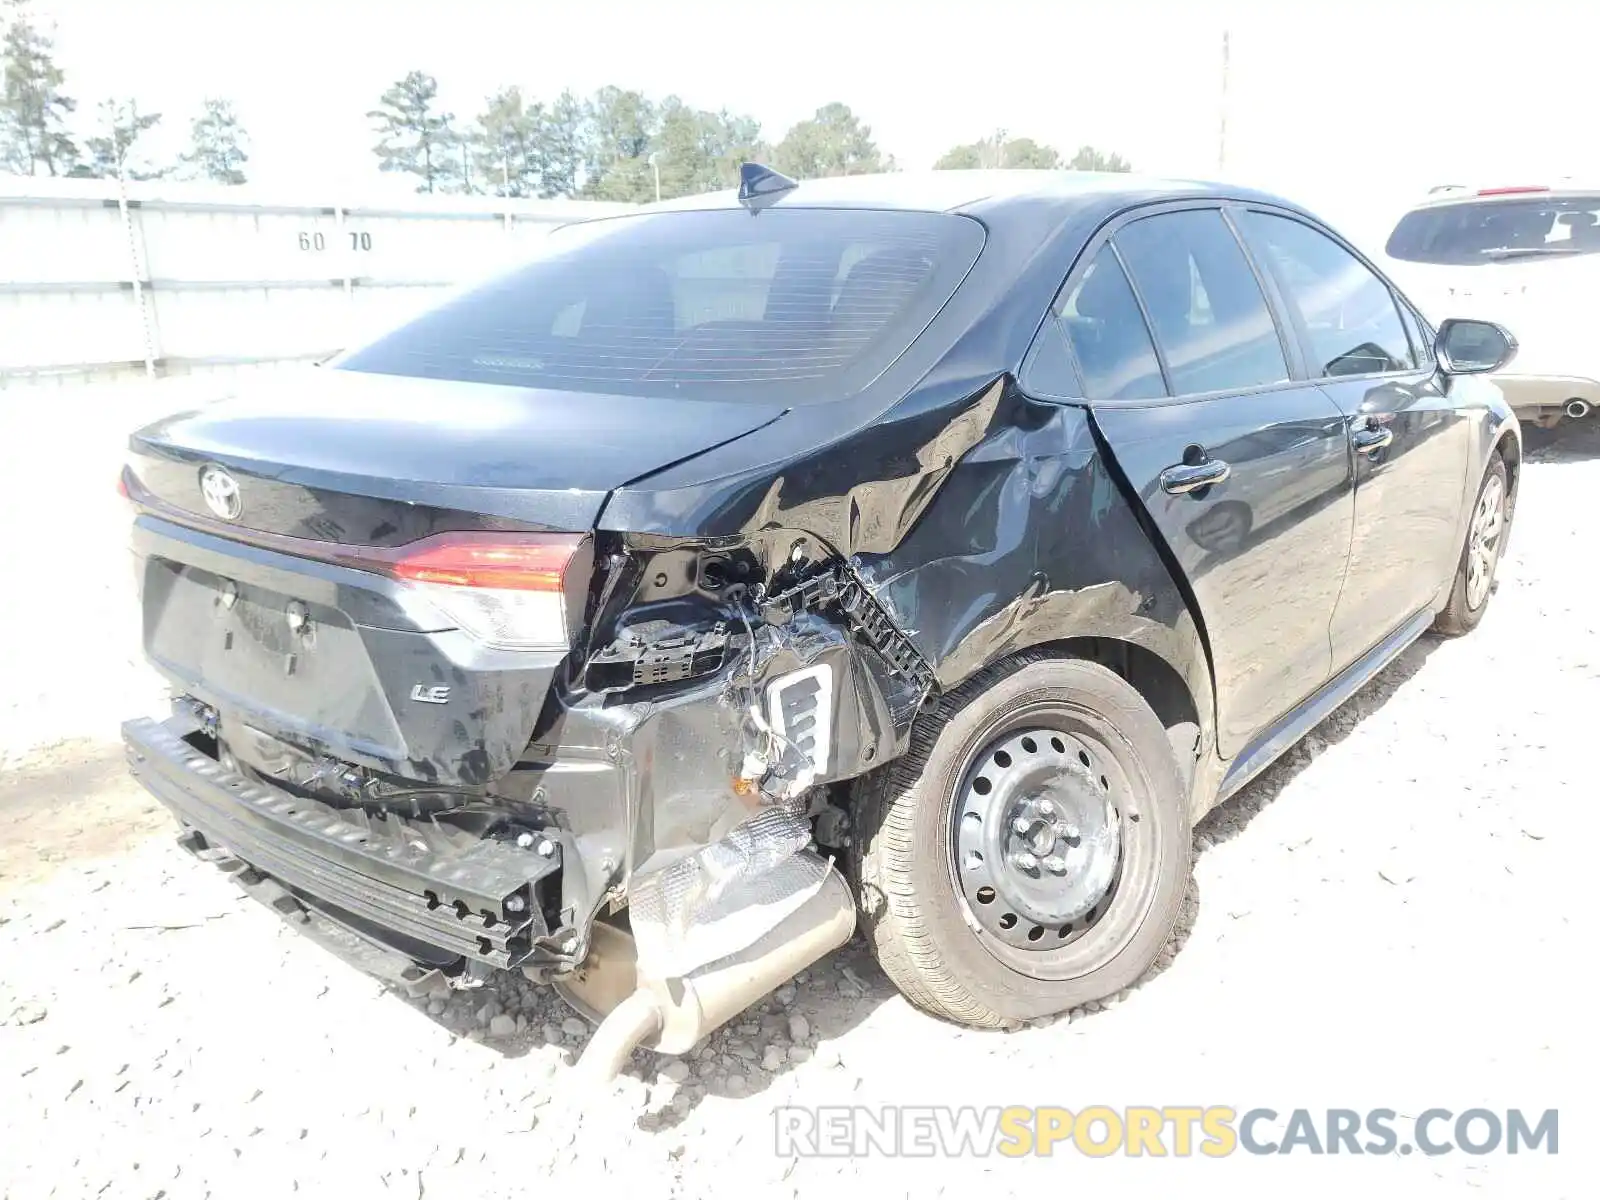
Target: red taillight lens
pixel 1510 191
pixel 122 484
pixel 533 564
pixel 505 589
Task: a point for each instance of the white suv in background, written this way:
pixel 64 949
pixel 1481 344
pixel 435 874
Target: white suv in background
pixel 1527 258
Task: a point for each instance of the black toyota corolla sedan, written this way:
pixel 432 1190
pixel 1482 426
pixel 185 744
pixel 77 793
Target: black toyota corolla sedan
pixel 920 552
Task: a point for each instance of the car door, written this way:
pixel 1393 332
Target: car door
pixel 1411 444
pixel 1243 469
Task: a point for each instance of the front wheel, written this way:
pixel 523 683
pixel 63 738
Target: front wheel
pixel 1031 850
pixel 1480 557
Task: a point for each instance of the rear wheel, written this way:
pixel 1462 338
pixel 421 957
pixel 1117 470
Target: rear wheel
pixel 1030 851
pixel 1480 557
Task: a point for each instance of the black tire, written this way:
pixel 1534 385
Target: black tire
pixel 1466 607
pixel 913 910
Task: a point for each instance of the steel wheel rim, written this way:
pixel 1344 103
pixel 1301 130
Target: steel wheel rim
pixel 1483 541
pixel 1105 889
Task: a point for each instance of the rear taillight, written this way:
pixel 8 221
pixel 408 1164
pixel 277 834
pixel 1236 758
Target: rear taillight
pixel 463 560
pixel 1510 191
pixel 506 590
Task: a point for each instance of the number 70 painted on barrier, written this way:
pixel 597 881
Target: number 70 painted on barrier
pixel 359 240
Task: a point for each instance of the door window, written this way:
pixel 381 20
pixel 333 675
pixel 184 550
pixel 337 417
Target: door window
pixel 1421 345
pixel 1351 324
pixel 1108 334
pixel 1210 319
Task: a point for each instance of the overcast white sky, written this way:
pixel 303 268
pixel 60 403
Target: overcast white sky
pixel 1325 97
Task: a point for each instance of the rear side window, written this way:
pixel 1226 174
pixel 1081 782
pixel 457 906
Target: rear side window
pixel 1490 231
pixel 787 306
pixel 1348 314
pixel 1211 320
pixel 1108 334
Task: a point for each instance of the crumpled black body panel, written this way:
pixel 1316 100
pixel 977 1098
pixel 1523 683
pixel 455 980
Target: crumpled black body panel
pixel 983 527
pixel 983 521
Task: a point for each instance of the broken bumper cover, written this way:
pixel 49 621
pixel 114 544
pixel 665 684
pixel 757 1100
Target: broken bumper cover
pixel 478 902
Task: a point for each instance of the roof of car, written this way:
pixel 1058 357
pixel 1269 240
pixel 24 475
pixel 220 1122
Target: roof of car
pixel 1459 193
pixel 962 191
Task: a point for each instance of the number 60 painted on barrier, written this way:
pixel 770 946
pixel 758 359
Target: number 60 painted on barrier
pixel 359 240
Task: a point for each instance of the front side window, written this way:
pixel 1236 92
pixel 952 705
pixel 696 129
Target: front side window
pixel 1210 318
pixel 1348 313
pixel 788 306
pixel 1108 334
pixel 1421 345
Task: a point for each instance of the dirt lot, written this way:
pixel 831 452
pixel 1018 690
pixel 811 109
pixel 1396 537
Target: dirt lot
pixel 1390 918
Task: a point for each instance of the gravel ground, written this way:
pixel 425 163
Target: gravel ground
pixel 1389 918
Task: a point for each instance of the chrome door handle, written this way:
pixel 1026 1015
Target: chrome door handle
pixel 1184 478
pixel 1371 439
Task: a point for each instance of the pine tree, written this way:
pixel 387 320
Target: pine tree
pixel 561 148
pixel 110 150
pixel 33 106
pixel 506 146
pixel 414 137
pixel 833 142
pixel 218 151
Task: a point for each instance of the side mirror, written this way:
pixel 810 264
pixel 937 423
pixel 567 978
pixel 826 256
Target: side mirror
pixel 1467 347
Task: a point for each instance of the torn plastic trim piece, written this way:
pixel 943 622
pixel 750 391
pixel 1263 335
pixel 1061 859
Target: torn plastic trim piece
pixel 800 713
pixel 837 584
pixel 637 659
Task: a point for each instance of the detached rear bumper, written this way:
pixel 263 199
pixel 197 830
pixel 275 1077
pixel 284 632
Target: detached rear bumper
pixel 476 899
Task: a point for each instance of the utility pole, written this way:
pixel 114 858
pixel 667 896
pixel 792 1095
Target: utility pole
pixel 1222 123
pixel 135 259
pixel 505 179
pixel 999 147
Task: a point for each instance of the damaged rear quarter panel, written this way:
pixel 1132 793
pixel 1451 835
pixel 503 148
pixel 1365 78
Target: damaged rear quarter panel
pixel 1031 541
pixel 983 524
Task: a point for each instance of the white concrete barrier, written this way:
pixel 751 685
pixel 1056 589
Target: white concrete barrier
pixel 102 281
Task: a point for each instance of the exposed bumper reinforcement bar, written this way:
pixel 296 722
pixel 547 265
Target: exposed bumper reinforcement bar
pixel 477 900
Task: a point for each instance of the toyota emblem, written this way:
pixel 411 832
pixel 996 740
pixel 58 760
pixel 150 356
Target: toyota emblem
pixel 221 492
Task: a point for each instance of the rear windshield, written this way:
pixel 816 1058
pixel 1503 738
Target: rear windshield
pixel 783 306
pixel 1498 231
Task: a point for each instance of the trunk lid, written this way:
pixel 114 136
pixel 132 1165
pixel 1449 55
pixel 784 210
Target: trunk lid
pixel 278 601
pixel 341 456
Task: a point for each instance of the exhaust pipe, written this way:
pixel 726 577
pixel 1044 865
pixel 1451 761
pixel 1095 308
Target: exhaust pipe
pixel 1576 408
pixel 670 1016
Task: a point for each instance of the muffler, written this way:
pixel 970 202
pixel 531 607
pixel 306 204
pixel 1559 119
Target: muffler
pixel 671 1016
pixel 1576 408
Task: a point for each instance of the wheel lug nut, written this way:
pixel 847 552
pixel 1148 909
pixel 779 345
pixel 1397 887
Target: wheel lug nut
pixel 1020 825
pixel 1056 865
pixel 1025 861
pixel 1046 808
pixel 1066 829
